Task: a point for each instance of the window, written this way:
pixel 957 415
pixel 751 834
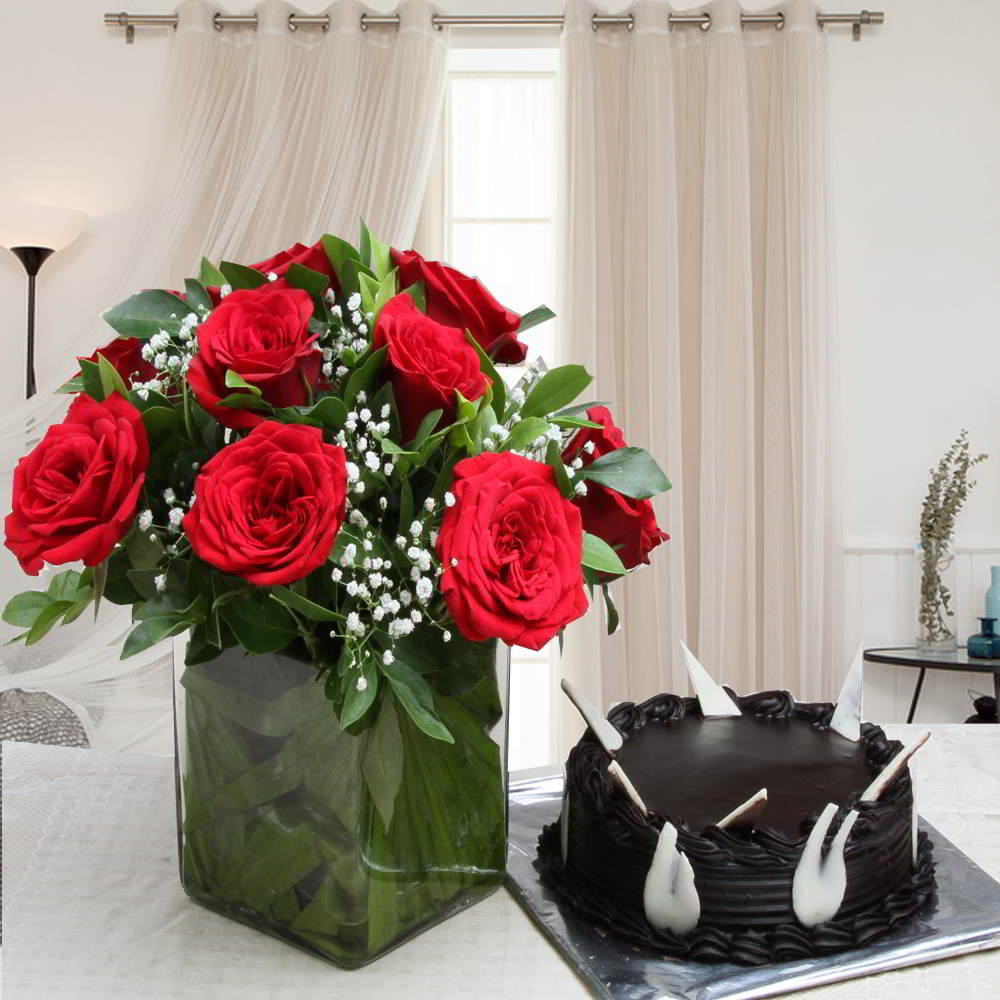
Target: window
pixel 489 212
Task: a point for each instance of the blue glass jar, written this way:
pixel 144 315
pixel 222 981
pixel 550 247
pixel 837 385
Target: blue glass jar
pixel 986 643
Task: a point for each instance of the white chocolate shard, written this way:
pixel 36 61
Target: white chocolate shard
pixel 712 698
pixel 747 813
pixel 892 769
pixel 913 830
pixel 670 897
pixel 847 715
pixel 616 772
pixel 820 883
pixel 564 820
pixel 607 735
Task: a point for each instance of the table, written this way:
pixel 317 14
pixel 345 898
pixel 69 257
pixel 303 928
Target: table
pixel 93 910
pixel 910 656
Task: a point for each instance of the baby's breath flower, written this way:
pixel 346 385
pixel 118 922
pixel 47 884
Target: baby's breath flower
pixel 160 582
pixel 387 657
pixel 145 520
pixel 449 499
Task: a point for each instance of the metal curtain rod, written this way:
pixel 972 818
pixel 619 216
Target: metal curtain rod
pixel 295 21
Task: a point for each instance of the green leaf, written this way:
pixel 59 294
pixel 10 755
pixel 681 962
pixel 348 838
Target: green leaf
pixel 90 376
pixel 161 421
pixel 46 618
pixel 236 381
pixel 149 633
pixel 571 411
pixel 309 609
pixel 361 378
pixel 405 509
pixel 612 611
pixel 100 582
pixel 245 401
pixel 344 260
pixel 369 292
pixel 63 586
pixel 259 624
pixel 111 381
pixel 382 764
pixel 427 426
pixel 415 696
pixel 237 276
pixel 540 314
pixel 571 422
pixel 329 412
pixel 144 552
pixel 313 282
pixel 526 432
pixel 556 388
pixel 209 275
pixel 74 385
pixel 386 291
pixel 80 604
pixel 23 609
pixel 391 448
pixel 553 457
pixel 598 555
pixel 487 367
pixel 198 298
pixel 629 471
pixel 357 703
pixel 418 293
pixel 147 313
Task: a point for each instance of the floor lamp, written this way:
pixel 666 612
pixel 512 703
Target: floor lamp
pixel 33 233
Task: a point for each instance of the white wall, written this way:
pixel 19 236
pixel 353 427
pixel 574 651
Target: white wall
pixel 916 157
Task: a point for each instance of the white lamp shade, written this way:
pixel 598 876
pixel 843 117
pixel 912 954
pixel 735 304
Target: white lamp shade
pixel 49 226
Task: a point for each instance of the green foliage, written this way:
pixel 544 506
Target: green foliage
pixel 554 389
pixel 147 313
pixel 629 471
pixel 598 555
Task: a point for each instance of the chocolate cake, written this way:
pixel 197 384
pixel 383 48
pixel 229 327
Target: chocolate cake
pixel 759 835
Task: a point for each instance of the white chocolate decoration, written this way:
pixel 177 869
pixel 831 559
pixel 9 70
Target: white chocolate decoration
pixel 607 735
pixel 847 715
pixel 564 820
pixel 616 772
pixel 892 769
pixel 913 829
pixel 670 897
pixel 820 883
pixel 747 813
pixel 714 701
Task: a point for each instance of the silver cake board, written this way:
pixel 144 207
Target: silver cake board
pixel 965 917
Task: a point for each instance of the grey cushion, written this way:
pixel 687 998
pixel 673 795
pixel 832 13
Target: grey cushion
pixel 37 717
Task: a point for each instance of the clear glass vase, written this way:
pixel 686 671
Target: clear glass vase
pixel 276 828
pixel 935 578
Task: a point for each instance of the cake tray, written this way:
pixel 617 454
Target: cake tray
pixel 964 916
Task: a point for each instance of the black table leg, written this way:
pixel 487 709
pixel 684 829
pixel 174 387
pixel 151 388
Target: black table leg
pixel 916 694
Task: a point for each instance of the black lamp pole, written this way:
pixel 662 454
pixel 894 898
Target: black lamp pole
pixel 32 258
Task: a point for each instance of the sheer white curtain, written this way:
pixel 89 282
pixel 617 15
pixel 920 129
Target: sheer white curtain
pixel 695 283
pixel 265 137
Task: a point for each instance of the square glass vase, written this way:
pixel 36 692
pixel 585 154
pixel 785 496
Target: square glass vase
pixel 276 825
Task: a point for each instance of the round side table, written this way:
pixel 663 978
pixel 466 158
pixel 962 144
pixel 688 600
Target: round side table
pixel 910 656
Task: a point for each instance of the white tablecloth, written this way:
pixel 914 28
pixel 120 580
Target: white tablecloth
pixel 92 907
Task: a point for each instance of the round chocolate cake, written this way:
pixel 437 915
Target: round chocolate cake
pixel 688 854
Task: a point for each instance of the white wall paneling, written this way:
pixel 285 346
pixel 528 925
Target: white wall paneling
pixel 880 610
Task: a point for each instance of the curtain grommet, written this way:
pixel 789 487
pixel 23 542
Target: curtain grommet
pixel 292 26
pixel 706 22
pixel 215 21
pixel 780 23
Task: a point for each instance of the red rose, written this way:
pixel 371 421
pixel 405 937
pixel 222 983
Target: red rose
pixel 626 524
pixel 455 299
pixel 426 363
pixel 262 334
pixel 313 257
pixel 75 495
pixel 268 507
pixel 125 353
pixel 510 547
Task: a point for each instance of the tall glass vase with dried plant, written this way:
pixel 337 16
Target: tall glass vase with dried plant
pixel 947 492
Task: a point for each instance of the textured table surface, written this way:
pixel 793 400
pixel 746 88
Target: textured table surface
pixel 92 906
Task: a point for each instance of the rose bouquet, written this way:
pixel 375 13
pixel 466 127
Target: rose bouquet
pixel 314 467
